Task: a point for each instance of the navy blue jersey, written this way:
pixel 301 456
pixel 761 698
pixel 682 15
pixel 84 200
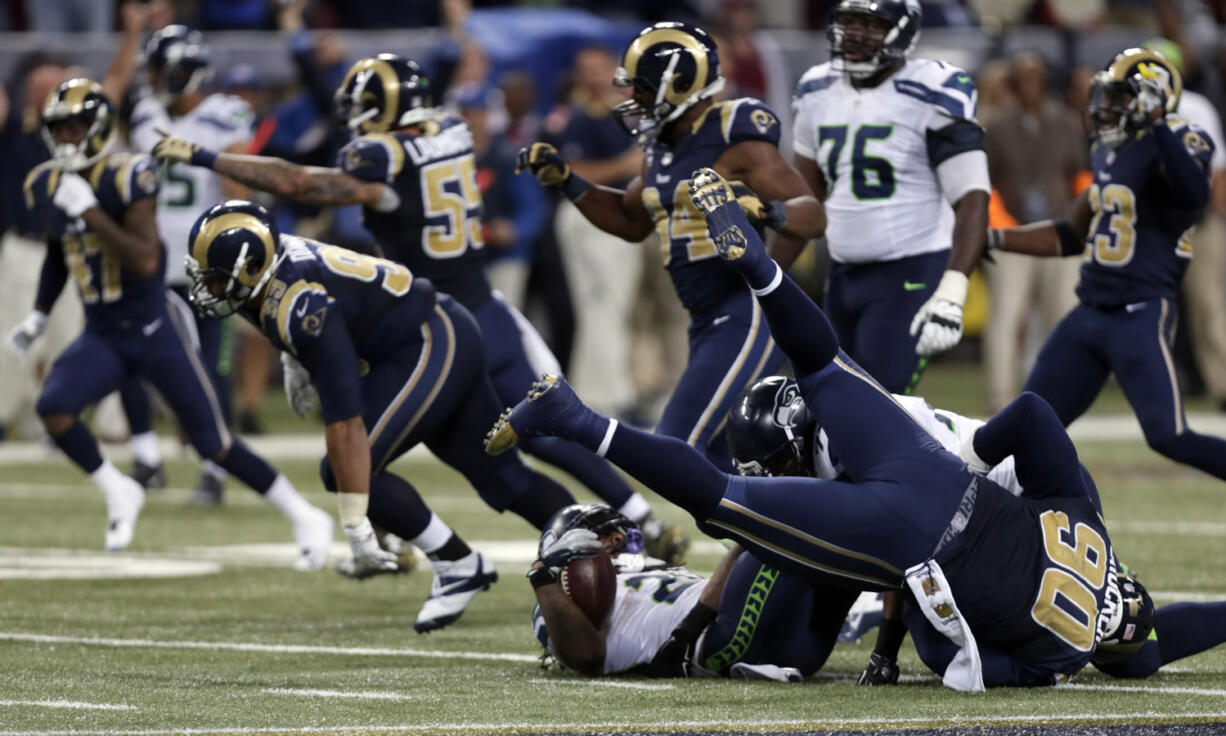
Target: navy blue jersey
pixel 331 308
pixel 436 230
pixel 703 282
pixel 114 297
pixel 1137 247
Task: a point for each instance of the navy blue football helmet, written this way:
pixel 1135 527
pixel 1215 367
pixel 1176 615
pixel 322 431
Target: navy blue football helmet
pixel 864 50
pixel 384 92
pixel 82 101
pixel 1130 624
pixel 770 430
pixel 1115 93
pixel 232 253
pixel 671 66
pixel 179 60
pixel 595 517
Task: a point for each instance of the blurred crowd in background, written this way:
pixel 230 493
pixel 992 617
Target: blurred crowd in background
pixel 539 70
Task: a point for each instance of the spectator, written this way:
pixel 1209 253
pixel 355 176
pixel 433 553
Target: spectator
pixel 1035 152
pixel 523 121
pixel 743 67
pixel 603 271
pixel 71 16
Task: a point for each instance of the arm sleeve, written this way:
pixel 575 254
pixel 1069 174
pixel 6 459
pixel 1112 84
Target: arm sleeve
pixel 322 345
pixel 963 173
pixel 1185 156
pixel 52 277
pixel 375 157
pixel 1044 457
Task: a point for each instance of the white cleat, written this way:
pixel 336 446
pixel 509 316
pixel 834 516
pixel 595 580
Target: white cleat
pixel 455 585
pixel 123 505
pixel 314 538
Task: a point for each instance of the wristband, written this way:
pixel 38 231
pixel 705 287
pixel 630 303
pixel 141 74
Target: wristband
pixel 541 576
pixel 953 287
pixel 575 187
pixel 1070 244
pixel 204 157
pixel 996 238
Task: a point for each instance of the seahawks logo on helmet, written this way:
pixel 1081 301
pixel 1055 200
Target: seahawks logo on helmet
pixel 81 101
pixel 671 67
pixel 771 431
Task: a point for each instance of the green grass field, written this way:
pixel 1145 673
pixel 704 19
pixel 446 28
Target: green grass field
pixel 251 645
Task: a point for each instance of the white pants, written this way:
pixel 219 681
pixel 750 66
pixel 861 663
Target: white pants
pixel 21 260
pixel 603 273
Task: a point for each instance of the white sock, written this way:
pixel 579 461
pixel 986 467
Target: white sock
pixel 213 470
pixel 636 508
pixel 288 501
pixel 108 478
pixel 145 448
pixel 434 536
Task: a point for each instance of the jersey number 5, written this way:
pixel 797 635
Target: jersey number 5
pixel 1067 604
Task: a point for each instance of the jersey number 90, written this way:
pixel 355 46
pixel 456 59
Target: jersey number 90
pixel 1067 604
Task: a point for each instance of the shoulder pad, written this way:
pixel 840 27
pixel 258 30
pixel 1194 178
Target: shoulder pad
pixel 299 312
pixel 135 176
pixel 1194 139
pixel 372 157
pixel 943 86
pixel 748 119
pixel 818 78
pixel 40 185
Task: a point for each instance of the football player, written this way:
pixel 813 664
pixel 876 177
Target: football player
pixel 910 514
pixel 891 145
pixel 100 211
pixel 412 169
pixel 390 364
pixel 747 620
pixel 1151 182
pixel 674 75
pixel 1162 636
pixel 177 61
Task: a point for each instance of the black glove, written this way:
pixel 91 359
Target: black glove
pixel 881 670
pixel 673 656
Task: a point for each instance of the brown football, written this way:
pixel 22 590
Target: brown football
pixel 591 583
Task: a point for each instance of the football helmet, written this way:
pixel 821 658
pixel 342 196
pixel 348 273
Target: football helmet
pixel 1117 93
pixel 863 50
pixel 180 61
pixel 81 101
pixel 671 67
pixel 595 517
pixel 232 253
pixel 384 92
pixel 1130 622
pixel 770 430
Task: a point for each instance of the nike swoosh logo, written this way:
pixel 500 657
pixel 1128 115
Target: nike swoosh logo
pixel 720 319
pixel 301 311
pixel 152 327
pixel 913 286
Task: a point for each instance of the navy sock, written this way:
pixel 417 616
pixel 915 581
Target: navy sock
pixel 248 467
pixel 80 447
pixel 587 467
pixel 396 506
pixel 136 406
pixel 669 467
pixel 1185 629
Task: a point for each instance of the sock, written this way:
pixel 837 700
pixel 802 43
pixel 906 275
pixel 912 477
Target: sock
pixel 107 477
pixel 669 467
pixel 396 506
pixel 80 447
pixel 288 501
pixel 145 448
pixel 453 549
pixel 247 467
pixel 213 470
pixel 755 266
pixel 890 633
pixel 1185 629
pixel 135 400
pixel 545 498
pixel 636 508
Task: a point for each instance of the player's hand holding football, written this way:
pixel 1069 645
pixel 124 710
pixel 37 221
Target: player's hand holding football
pixel 27 332
pixel 174 150
pixel 299 392
pixel 572 545
pixel 74 195
pixel 368 557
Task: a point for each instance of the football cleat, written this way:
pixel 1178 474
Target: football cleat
pixel 543 412
pixel 207 491
pixel 665 541
pixel 150 477
pixel 314 537
pixel 123 505
pixel 455 584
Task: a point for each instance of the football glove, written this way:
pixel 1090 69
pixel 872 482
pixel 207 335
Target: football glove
pixel 545 163
pixel 673 658
pixel 881 670
pixel 770 214
pixel 174 150
pixel 939 321
pixel 74 195
pixel 1151 96
pixel 572 545
pixel 368 557
pixel 26 332
pixel 299 392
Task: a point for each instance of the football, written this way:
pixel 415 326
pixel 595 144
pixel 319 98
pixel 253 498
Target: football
pixel 591 584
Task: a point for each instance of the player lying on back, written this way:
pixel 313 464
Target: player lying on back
pixel 1151 183
pixel 100 209
pixel 747 620
pixel 1020 589
pixel 391 364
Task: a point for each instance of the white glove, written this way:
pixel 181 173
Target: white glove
pixel 939 321
pixel 1151 96
pixel 301 395
pixel 74 195
pixel 368 556
pixel 27 332
pixel 572 545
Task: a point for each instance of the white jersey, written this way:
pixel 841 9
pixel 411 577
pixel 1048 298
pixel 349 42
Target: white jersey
pixel 878 149
pixel 647 607
pixel 217 123
pixel 950 429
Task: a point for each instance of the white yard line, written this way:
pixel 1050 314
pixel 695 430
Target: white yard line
pixel 595 682
pixel 355 694
pixel 1213 692
pixel 70 704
